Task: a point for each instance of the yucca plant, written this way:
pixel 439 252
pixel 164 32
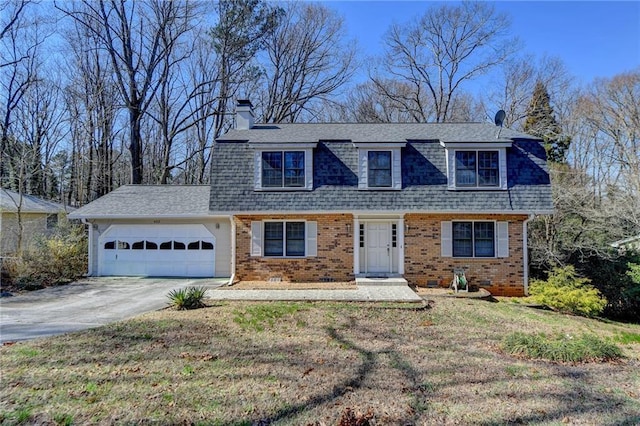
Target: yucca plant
pixel 187 298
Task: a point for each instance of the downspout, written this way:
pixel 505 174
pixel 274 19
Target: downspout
pixel 525 252
pixel 233 250
pixel 90 247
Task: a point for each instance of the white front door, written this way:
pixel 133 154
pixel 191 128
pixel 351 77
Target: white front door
pixel 378 247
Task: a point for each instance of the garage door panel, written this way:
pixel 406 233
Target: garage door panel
pixel 157 250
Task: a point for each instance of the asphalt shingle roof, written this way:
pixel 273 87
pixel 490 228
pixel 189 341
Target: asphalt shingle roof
pixel 10 200
pixel 149 201
pixel 373 132
pixel 424 182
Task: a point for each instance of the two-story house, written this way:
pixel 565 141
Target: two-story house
pixel 331 202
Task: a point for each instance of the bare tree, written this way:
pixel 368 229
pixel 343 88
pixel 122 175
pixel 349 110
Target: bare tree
pixel 608 147
pixel 309 60
pixel 19 44
pixel 92 106
pixel 513 86
pixel 237 37
pixel 137 36
pixel 440 52
pixel 40 129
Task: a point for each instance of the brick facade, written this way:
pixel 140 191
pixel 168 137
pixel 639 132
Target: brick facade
pixel 422 252
pixel 425 265
pixel 334 261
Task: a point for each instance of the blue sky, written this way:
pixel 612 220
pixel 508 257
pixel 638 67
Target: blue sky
pixel 594 39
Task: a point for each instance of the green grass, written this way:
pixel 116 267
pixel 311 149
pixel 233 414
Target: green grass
pixel 257 316
pixel 627 338
pixel 561 348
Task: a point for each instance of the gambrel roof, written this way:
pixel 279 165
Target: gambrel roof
pixel 335 170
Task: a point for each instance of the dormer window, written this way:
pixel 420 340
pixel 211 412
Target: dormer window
pixel 477 169
pixel 283 169
pixel 379 165
pixel 476 166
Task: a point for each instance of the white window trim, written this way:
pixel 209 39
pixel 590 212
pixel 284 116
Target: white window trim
pixel 450 156
pixel 308 167
pixel 396 167
pixel 310 238
pixel 500 239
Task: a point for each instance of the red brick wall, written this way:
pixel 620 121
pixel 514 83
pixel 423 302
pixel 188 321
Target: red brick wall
pixel 423 262
pixel 334 260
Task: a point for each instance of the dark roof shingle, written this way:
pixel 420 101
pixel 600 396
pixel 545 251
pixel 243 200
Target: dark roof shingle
pixel 424 182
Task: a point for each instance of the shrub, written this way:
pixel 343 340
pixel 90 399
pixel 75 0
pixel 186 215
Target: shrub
pixel 187 298
pixel 53 260
pixel 561 348
pixel 565 292
pixel 613 274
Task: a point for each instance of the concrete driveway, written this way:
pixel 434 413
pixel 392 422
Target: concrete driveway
pixel 87 303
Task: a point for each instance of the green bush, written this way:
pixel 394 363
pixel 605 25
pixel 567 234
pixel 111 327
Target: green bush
pixel 187 298
pixel 566 292
pixel 561 348
pixel 53 260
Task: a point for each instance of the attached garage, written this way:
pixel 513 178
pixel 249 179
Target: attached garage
pixel 163 250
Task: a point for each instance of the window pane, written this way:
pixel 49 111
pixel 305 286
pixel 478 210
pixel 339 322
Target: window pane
pixel 166 245
pixel 110 245
pixel 195 245
pixel 207 246
pixel 151 245
pixel 271 169
pixel 484 239
pixel 379 168
pixel 465 168
pixel 488 168
pixel 273 238
pixel 138 245
pixel 294 168
pixel 123 245
pixel 462 239
pixel 177 245
pixel 295 238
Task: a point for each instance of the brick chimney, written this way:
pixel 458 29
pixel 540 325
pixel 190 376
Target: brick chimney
pixel 244 114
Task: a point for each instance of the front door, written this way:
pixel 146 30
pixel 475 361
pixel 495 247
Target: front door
pixel 378 238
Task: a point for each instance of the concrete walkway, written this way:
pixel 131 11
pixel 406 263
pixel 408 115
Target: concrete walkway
pixel 378 291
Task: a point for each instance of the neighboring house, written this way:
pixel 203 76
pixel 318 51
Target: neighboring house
pixel 37 217
pixel 631 243
pixel 331 202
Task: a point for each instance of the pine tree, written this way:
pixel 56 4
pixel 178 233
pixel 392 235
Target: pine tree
pixel 541 122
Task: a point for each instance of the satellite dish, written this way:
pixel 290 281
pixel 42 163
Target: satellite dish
pixel 500 116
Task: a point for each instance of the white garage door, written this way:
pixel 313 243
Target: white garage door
pixel 157 250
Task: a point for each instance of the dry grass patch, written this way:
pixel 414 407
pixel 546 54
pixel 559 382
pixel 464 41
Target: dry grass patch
pixel 310 363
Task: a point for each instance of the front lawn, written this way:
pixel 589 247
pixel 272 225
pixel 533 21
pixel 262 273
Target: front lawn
pixel 318 363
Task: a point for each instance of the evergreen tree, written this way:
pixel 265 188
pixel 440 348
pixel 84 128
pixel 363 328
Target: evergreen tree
pixel 541 122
